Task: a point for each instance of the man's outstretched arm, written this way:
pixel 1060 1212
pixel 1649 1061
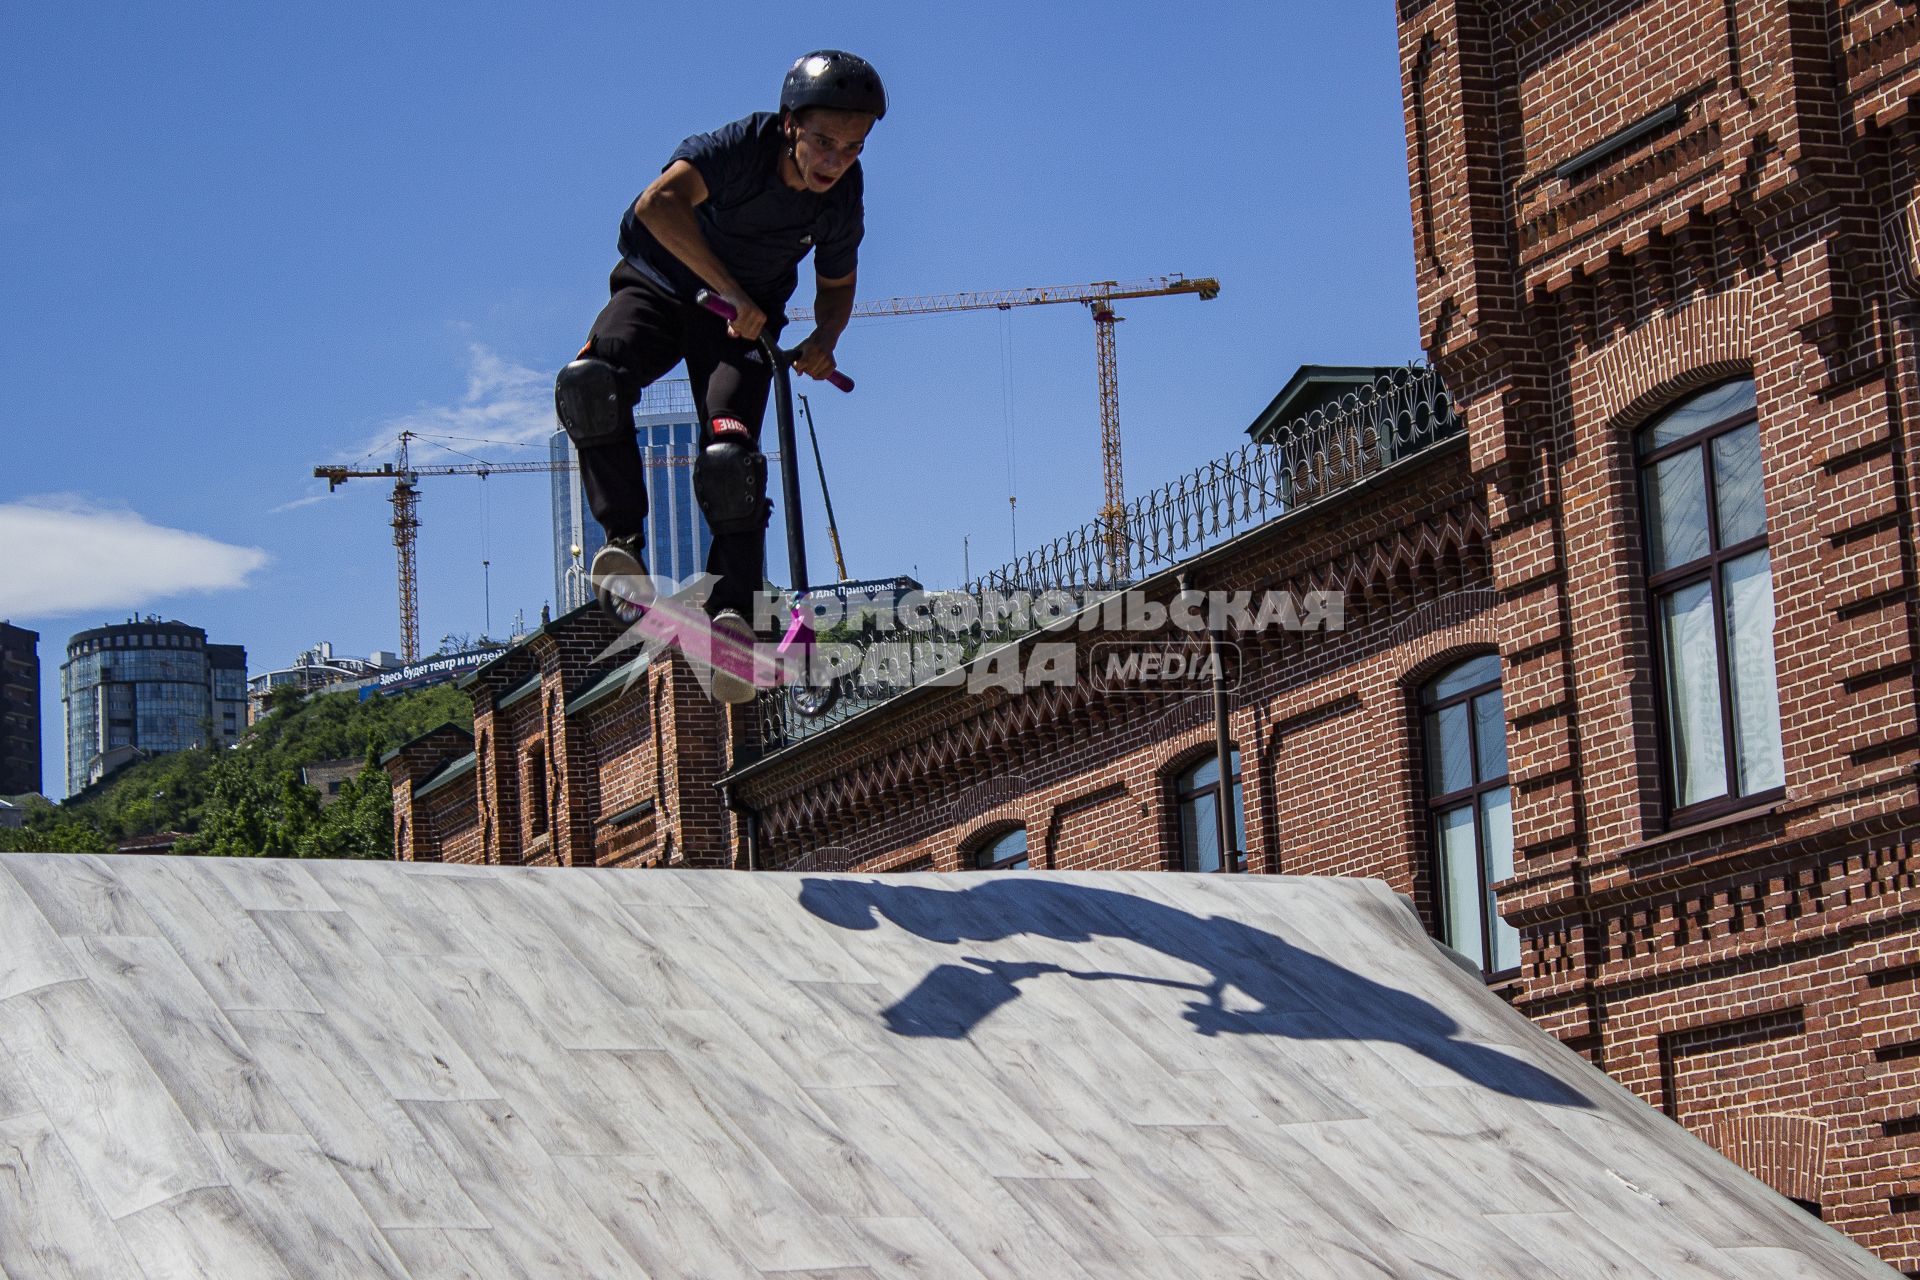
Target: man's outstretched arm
pixel 666 208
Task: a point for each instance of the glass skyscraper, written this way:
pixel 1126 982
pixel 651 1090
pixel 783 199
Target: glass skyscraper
pixel 19 710
pixel 147 687
pixel 677 536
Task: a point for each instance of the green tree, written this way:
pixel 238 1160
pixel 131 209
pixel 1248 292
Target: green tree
pixel 251 815
pixel 35 806
pixel 359 822
pixel 286 697
pixel 249 801
pixel 296 816
pixel 67 836
pixel 237 822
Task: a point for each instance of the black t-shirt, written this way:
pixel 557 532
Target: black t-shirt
pixel 754 222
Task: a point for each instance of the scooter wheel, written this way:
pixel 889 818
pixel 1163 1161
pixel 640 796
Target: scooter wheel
pixel 622 609
pixel 814 701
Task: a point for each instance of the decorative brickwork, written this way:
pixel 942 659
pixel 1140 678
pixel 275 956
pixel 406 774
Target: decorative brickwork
pixel 1618 203
pixel 1704 342
pixel 417 833
pixel 578 759
pixel 1787 1152
pixel 1319 717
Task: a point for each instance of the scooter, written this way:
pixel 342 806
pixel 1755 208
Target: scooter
pixel 808 698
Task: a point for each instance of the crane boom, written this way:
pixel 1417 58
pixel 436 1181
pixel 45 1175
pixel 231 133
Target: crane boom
pixel 337 476
pixel 406 511
pixel 1002 299
pixel 1099 298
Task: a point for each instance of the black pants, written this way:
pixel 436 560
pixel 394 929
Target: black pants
pixel 643 332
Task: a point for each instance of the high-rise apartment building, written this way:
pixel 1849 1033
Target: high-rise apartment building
pixel 147 687
pixel 677 536
pixel 19 710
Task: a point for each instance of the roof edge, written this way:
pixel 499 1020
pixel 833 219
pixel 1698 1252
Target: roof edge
pixel 452 771
pixel 419 738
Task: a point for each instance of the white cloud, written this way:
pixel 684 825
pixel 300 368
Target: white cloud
pixel 61 555
pixel 297 503
pixel 505 403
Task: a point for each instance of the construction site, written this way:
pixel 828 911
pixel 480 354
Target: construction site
pixel 1470 828
pixel 671 401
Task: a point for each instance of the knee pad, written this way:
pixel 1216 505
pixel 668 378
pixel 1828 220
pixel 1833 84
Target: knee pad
pixel 730 483
pixel 587 397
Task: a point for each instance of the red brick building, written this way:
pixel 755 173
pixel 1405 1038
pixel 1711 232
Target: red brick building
pixel 1623 691
pixel 1616 206
pixel 578 757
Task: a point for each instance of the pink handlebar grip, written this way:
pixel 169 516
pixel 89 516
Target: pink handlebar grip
pixel 725 310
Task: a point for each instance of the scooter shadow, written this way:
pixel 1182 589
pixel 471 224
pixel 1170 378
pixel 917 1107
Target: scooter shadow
pixel 1298 994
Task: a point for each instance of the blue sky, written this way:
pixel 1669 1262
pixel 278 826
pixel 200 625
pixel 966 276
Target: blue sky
pixel 237 241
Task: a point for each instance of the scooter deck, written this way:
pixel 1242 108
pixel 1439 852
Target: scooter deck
pixel 744 667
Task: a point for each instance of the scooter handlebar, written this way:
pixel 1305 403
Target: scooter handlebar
pixel 726 311
pixel 716 304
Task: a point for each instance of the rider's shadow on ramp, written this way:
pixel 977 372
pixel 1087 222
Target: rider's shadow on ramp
pixel 1298 994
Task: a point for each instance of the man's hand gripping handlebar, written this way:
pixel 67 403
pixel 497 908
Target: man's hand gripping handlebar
pixel 783 359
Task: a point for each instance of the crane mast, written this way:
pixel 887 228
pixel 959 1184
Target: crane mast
pixel 1113 513
pixel 406 527
pixel 1098 298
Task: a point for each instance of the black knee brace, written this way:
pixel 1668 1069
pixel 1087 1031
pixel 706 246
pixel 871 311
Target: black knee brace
pixel 730 483
pixel 587 397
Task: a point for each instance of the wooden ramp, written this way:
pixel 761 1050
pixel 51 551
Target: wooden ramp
pixel 248 1069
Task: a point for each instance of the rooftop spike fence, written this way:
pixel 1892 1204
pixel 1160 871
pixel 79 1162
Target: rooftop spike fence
pixel 1291 467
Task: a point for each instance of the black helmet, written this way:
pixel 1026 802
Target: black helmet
pixel 836 79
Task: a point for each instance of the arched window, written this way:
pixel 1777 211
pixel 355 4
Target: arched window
pixel 1197 796
pixel 535 788
pixel 1470 810
pixel 1006 852
pixel 1710 587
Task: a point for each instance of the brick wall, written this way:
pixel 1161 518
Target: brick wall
pixel 547 782
pixel 416 835
pixel 448 826
pixel 624 749
pixel 1746 973
pixel 1321 719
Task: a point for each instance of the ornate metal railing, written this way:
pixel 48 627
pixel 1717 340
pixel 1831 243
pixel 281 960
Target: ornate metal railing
pixel 1300 462
pixel 1293 466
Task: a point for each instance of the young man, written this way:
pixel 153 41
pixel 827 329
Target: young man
pixel 734 211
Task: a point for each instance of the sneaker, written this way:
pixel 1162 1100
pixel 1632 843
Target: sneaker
pixel 620 580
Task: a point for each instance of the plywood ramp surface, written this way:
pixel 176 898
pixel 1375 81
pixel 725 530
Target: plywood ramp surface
pixel 240 1068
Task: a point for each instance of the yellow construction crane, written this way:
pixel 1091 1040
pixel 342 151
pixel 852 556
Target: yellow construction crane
pixel 1099 299
pixel 406 518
